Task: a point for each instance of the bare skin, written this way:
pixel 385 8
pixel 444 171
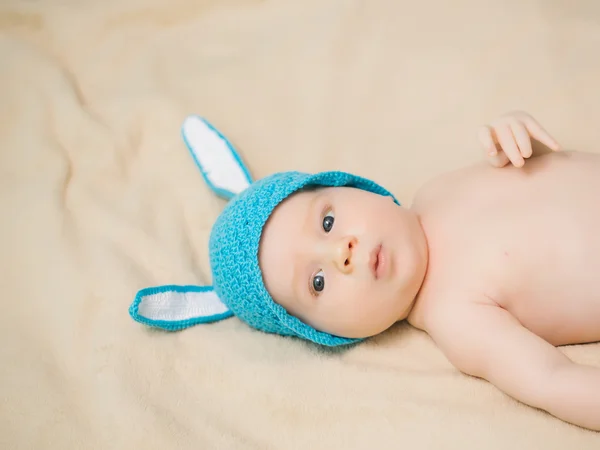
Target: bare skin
pixel 513 256
pixel 506 275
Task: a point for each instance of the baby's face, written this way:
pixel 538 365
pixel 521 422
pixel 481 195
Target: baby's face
pixel 342 260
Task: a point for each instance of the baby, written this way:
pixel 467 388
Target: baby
pixel 497 264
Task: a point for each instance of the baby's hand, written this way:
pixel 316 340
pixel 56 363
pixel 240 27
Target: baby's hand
pixel 507 139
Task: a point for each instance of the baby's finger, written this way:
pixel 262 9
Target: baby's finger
pixel 486 140
pixel 537 131
pixel 522 137
pixel 509 146
pixel 499 159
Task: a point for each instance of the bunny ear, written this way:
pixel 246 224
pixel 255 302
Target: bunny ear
pixel 173 307
pixel 221 166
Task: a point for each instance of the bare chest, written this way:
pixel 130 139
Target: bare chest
pixel 528 242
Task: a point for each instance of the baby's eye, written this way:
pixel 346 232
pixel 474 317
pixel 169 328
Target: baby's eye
pixel 328 221
pixel 318 283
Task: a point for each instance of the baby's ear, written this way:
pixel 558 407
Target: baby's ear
pixel 221 166
pixel 176 307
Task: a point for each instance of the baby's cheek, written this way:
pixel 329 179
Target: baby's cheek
pixel 354 296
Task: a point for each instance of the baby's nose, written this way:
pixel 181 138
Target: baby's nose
pixel 343 254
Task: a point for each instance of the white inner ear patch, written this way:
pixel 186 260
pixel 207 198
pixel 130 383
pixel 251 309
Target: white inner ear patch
pixel 214 156
pixel 174 306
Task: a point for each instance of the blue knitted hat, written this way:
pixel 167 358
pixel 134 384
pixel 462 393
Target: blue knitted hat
pixel 238 287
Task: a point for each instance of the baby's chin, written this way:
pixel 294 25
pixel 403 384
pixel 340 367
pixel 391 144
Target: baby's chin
pixel 371 320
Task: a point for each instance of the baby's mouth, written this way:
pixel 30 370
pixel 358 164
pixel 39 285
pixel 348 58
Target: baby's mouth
pixel 375 260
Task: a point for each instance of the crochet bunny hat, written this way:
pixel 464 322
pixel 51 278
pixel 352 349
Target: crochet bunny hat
pixel 238 287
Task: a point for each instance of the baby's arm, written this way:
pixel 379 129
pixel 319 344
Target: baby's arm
pixel 486 341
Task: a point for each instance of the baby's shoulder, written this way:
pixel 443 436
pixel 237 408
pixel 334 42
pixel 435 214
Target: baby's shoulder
pixel 446 297
pixel 450 189
pixel 455 323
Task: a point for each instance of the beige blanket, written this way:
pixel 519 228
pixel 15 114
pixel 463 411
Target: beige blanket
pixel 99 198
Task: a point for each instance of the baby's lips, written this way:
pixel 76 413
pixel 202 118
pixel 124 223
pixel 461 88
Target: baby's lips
pixel 374 259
